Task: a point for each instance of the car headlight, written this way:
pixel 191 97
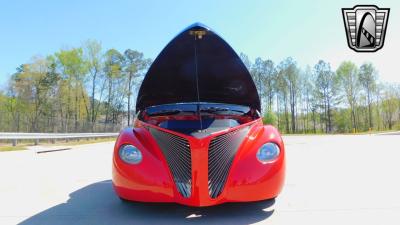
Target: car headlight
pixel 268 152
pixel 130 154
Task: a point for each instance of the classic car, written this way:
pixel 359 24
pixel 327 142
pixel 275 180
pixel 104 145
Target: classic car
pixel 198 138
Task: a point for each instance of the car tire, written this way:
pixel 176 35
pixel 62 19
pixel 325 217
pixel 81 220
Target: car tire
pixel 123 200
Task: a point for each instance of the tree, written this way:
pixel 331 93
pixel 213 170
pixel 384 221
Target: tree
pixel 264 75
pixel 77 89
pixel 389 105
pixel 113 70
pixel 135 64
pixel 74 69
pixel 306 94
pixel 326 89
pixel 290 74
pixel 31 88
pixel 270 118
pixel 246 61
pixel 257 72
pixel 367 79
pixel 282 95
pixel 348 77
pixel 94 59
pixel 269 82
pixel 396 88
pixel 378 94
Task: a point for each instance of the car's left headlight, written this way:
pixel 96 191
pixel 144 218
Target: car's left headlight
pixel 268 152
pixel 130 154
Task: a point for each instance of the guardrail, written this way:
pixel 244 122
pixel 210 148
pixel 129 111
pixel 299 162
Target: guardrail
pixel 36 137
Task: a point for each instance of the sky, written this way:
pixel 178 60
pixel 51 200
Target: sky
pixel 305 30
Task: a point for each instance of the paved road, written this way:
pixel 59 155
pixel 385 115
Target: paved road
pixel 330 180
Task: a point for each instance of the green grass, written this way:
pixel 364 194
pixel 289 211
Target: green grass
pixel 24 144
pixel 82 142
pixel 12 148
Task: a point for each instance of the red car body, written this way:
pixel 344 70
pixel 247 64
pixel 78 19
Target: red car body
pixel 200 166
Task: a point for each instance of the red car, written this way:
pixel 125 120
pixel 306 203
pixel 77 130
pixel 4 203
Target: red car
pixel 198 138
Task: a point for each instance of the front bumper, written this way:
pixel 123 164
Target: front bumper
pixel 152 180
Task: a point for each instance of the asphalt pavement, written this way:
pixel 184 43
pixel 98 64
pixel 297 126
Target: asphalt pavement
pixel 333 179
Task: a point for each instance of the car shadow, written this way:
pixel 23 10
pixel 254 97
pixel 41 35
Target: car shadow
pixel 98 204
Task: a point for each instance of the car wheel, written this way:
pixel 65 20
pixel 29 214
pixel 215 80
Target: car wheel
pixel 124 200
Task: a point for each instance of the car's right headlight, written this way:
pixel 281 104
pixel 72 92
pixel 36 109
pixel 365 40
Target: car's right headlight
pixel 268 152
pixel 130 154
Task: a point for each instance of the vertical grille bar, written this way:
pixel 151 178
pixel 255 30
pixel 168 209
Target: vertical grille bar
pixel 221 153
pixel 177 152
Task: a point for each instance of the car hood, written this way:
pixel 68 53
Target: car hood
pixel 197 66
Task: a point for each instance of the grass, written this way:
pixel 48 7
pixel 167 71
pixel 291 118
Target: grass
pixel 4 147
pixel 12 148
pixel 82 142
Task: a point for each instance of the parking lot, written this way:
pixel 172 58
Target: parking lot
pixel 331 179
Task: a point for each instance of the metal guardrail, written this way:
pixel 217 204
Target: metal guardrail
pixel 36 137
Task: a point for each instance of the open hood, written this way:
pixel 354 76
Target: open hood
pixel 197 66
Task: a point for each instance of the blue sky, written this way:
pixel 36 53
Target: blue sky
pixel 305 30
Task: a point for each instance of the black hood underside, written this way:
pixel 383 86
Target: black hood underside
pixel 197 66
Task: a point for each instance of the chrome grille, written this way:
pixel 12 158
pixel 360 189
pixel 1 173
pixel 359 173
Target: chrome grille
pixel 221 153
pixel 177 152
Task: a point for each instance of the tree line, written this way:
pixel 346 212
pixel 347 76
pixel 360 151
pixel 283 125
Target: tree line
pixel 318 99
pixel 89 89
pixel 82 89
